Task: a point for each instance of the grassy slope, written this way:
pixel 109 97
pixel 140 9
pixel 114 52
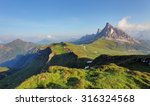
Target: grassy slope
pixel 94 49
pixel 58 49
pixel 32 69
pixel 102 47
pixel 109 76
pixel 90 51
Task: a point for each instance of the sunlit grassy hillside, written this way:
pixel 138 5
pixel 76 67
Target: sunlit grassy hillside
pixel 108 76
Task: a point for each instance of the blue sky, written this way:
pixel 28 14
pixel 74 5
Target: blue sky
pixel 60 19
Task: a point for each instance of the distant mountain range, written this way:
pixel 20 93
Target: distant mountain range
pixel 110 33
pixel 108 59
pixel 14 48
pixel 45 41
pixel 1 42
pixel 117 36
pixel 23 69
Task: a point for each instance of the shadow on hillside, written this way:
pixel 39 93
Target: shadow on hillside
pixel 39 65
pixel 132 62
pixel 69 60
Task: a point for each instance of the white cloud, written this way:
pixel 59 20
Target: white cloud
pixel 50 37
pixel 134 29
pixel 124 24
pixel 46 37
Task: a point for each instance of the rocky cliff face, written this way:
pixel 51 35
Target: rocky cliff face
pixel 110 33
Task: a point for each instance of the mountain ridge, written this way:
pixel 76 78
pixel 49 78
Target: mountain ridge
pixel 48 65
pixel 14 48
pixel 110 33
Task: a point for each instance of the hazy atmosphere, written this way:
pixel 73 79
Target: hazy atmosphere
pixel 62 20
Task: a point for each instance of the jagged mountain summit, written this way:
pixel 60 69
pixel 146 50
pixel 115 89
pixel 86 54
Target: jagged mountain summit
pixel 110 33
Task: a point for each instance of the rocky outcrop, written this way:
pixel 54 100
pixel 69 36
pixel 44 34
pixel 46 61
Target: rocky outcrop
pixel 110 33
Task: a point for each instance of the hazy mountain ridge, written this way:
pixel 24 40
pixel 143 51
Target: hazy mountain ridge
pixel 14 48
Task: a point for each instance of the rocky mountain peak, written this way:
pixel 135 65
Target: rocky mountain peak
pixel 98 31
pixel 107 31
pixel 111 33
pixel 18 40
pixel 108 25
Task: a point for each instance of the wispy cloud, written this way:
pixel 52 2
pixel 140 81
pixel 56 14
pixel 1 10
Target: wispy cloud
pixel 126 25
pixel 134 29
